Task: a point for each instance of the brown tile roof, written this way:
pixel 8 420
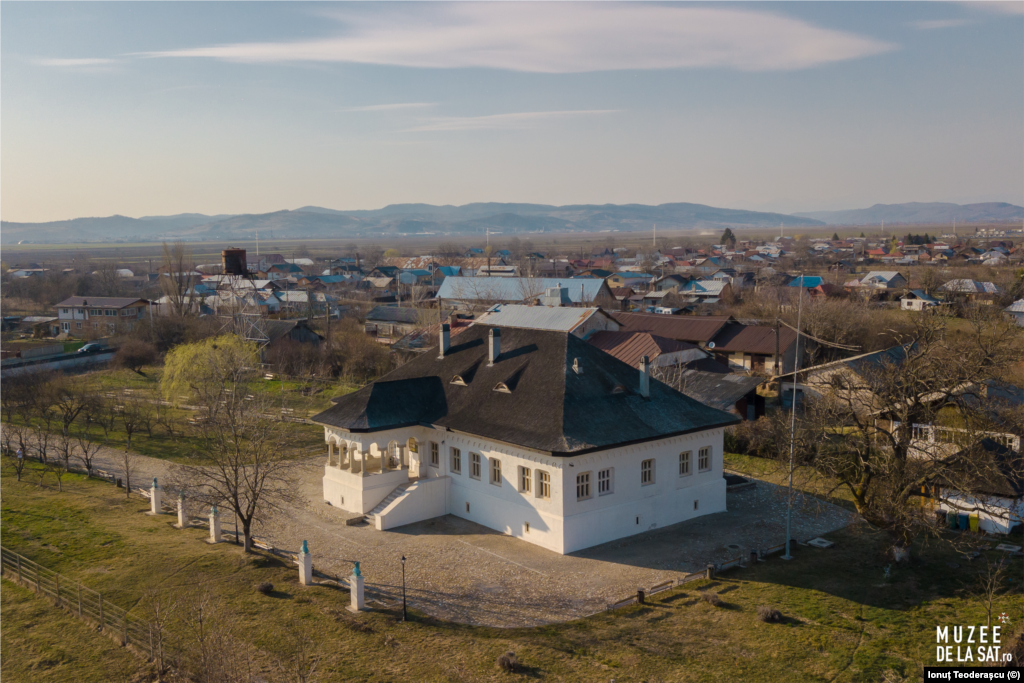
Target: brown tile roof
pixel 622 292
pixel 681 327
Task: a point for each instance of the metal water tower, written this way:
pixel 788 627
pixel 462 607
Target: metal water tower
pixel 234 262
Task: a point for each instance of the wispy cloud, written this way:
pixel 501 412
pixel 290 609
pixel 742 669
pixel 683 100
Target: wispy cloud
pixel 389 107
pixel 75 63
pixel 934 24
pixel 1007 7
pixel 564 38
pixel 527 119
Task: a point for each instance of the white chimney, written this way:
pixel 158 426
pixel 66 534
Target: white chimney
pixel 446 339
pixel 494 348
pixel 645 377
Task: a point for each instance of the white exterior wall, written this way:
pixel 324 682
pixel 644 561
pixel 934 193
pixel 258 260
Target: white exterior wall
pixel 668 500
pixel 558 522
pixel 997 516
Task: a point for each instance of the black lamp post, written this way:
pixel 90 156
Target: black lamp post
pixel 404 613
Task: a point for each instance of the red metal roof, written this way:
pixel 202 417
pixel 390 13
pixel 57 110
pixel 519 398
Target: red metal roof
pixel 630 347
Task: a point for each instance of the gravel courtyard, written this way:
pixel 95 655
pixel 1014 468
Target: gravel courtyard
pixel 461 571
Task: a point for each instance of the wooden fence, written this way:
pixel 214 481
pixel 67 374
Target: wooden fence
pixel 87 604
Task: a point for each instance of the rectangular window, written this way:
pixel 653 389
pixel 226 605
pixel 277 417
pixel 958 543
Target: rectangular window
pixel 704 459
pixel 543 484
pixel 684 463
pixel 525 480
pixel 456 461
pixel 495 471
pixel 526 527
pixel 78 325
pixel 646 472
pixel 696 504
pixel 109 312
pixel 474 465
pixel 96 311
pixel 604 482
pixel 435 454
pixel 583 486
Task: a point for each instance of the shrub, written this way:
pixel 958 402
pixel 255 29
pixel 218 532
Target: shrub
pixel 508 662
pixel 712 599
pixel 133 354
pixel 265 587
pixel 769 615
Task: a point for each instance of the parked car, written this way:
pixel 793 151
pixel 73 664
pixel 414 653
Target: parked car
pixel 90 347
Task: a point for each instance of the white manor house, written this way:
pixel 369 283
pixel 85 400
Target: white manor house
pixel 533 433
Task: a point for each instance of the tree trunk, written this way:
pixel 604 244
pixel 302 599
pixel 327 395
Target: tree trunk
pixel 246 537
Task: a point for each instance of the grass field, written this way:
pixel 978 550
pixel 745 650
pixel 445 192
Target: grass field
pixel 844 621
pixel 177 445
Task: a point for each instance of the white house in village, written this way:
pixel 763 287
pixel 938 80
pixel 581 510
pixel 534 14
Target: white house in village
pixel 534 433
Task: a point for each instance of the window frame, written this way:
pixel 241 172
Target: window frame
pixel 494 468
pixel 647 472
pixel 456 460
pixel 474 465
pixel 702 464
pixel 525 479
pixel 686 463
pixel 608 481
pixel 543 489
pixel 435 454
pixel 583 486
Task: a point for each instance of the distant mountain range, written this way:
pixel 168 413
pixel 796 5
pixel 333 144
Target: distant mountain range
pixel 918 212
pixel 314 222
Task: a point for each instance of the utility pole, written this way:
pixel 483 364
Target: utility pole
pixel 792 426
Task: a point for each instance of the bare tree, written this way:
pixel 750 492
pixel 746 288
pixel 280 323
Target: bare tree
pixel 176 279
pixel 87 449
pixel 135 415
pixel 873 427
pixel 300 660
pixel 13 446
pixel 129 463
pixel 242 462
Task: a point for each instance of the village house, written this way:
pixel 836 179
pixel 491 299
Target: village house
pixel 392 322
pixel 533 433
pixel 579 322
pixel 992 487
pixel 740 347
pixel 471 292
pixel 918 300
pixel 100 314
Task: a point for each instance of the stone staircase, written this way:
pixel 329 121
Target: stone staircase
pixel 371 516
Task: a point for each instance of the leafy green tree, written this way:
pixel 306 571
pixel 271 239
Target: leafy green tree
pixel 835 237
pixel 206 370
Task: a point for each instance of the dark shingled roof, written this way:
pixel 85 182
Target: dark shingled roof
pixel 988 468
pixel 549 407
pixel 753 339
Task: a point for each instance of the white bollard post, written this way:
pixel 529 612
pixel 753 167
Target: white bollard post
pixel 305 563
pixel 154 499
pixel 214 525
pixel 355 589
pixel 182 512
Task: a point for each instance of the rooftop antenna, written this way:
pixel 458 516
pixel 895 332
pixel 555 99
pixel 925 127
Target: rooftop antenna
pixel 257 244
pixel 654 237
pixel 780 230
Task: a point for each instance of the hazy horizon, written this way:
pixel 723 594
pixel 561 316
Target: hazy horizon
pixel 151 109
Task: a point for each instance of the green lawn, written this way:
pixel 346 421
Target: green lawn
pixel 844 620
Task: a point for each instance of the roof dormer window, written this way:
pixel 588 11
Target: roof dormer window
pixel 458 380
pixel 618 389
pixel 502 387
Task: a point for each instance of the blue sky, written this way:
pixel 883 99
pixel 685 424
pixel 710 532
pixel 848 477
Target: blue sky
pixel 149 108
